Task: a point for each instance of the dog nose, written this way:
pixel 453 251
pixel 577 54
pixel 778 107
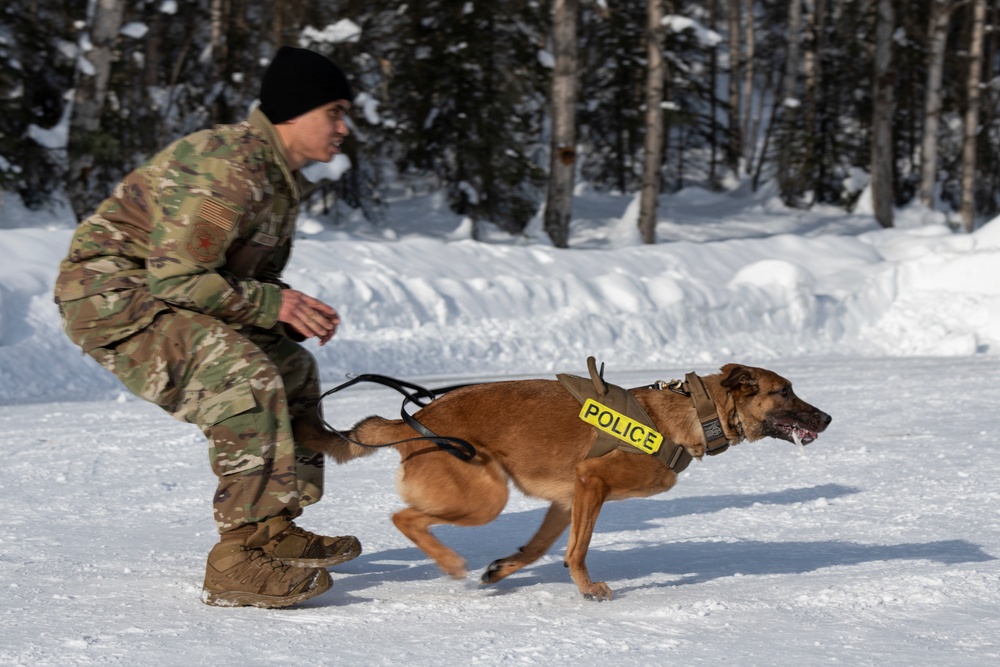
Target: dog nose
pixel 825 418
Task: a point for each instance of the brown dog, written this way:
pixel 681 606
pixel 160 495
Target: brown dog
pixel 529 431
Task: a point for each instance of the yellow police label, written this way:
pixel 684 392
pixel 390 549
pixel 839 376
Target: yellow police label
pixel 619 426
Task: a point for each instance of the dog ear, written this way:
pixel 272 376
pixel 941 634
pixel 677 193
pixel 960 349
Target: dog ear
pixel 739 377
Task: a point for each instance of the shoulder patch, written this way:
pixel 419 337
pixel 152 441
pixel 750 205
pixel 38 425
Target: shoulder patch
pixel 218 214
pixel 207 242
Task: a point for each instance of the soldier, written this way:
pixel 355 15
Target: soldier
pixel 174 285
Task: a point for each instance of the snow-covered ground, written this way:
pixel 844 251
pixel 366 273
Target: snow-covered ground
pixel 878 546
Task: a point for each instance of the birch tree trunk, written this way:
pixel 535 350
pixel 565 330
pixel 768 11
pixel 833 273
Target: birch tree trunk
pixel 749 137
pixel 972 117
pixel 938 32
pixel 814 125
pixel 788 87
pixel 277 27
pixel 218 38
pixel 735 140
pixel 89 97
pixel 884 101
pixel 559 203
pixel 713 72
pixel 789 107
pixel 653 149
pixel 152 50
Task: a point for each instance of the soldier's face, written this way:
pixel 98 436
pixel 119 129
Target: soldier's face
pixel 317 134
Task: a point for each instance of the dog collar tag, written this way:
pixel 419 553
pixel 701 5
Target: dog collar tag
pixel 621 427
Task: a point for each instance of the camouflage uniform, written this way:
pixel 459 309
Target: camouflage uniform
pixel 173 285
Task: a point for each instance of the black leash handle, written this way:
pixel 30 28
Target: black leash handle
pixel 412 393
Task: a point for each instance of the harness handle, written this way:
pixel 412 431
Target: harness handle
pixel 412 393
pixel 597 377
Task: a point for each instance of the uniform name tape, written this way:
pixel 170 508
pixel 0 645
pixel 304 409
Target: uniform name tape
pixel 619 426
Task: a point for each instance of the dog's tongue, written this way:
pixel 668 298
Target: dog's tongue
pixel 803 436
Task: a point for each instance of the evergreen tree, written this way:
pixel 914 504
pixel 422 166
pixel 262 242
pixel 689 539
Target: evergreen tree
pixel 610 118
pixel 37 60
pixel 453 95
pixel 460 82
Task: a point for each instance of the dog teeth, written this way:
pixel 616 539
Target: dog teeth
pixel 798 441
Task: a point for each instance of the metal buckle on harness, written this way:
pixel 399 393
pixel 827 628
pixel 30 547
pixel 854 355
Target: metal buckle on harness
pixel 675 459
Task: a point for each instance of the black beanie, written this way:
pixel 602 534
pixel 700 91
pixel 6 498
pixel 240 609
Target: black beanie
pixel 298 81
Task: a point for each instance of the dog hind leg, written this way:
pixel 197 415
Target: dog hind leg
pixel 555 522
pixel 415 525
pixel 443 490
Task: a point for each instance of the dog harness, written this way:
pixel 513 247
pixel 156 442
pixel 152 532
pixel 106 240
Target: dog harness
pixel 626 426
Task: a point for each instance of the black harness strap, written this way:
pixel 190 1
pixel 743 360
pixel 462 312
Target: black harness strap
pixel 420 396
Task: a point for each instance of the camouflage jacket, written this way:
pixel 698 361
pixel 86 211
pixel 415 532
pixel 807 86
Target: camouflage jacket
pixel 205 225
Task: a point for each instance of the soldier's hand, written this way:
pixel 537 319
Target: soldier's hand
pixel 310 317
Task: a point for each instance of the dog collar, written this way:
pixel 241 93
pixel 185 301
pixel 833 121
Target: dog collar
pixel 708 414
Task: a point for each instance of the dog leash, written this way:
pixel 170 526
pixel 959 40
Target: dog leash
pixel 412 393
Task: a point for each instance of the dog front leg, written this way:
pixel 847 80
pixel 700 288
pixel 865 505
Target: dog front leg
pixel 590 492
pixel 555 522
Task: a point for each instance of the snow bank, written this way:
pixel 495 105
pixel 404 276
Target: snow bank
pixel 731 279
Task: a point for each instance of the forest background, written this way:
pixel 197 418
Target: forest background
pixel 505 105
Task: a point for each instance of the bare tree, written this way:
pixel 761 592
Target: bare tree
pixel 790 103
pixel 749 131
pixel 788 86
pixel 972 116
pixel 217 45
pixel 884 106
pixel 735 140
pixel 559 204
pixel 814 111
pixel 713 101
pixel 89 98
pixel 653 148
pixel 941 11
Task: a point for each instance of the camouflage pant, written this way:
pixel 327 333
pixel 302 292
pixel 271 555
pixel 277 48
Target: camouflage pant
pixel 243 389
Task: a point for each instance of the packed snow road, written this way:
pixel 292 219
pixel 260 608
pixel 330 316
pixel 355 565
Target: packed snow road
pixel 877 546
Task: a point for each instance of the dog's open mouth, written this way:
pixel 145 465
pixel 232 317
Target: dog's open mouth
pixel 795 433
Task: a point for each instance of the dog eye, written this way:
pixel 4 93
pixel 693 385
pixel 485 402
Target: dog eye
pixel 783 392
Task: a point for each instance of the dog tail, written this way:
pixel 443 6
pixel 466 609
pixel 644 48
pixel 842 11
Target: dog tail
pixel 378 431
pixel 315 436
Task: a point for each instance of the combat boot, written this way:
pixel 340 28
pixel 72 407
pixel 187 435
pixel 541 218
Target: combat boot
pixel 282 539
pixel 239 576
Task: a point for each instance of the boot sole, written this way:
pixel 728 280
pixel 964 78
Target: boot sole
pixel 245 599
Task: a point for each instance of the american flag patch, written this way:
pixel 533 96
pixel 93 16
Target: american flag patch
pixel 218 214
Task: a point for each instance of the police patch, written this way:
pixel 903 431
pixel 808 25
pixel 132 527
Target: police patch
pixel 620 426
pixel 206 242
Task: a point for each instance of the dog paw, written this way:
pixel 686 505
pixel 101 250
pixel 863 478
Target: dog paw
pixel 598 591
pixel 453 567
pixel 497 570
pixel 455 571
